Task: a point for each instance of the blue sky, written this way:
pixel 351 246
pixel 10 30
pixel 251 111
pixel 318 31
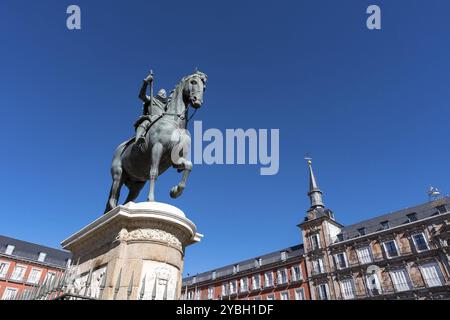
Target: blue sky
pixel 372 108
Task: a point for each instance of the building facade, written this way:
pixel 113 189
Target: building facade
pixel 24 266
pixel 279 275
pixel 400 255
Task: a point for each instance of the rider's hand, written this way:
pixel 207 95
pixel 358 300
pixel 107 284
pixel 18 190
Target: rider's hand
pixel 149 78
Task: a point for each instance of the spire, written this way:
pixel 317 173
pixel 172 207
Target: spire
pixel 315 194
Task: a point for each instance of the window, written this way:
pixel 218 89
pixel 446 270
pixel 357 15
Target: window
pixel 256 282
pixel 194 280
pixel 42 256
pixel 315 241
pixel 441 209
pixel 69 262
pixel 9 249
pixel 373 284
pixel 9 294
pixel 214 275
pixel 18 273
pixel 4 266
pixel 236 268
pixel 431 274
pixel 364 255
pixel 190 295
pixel 268 279
pixel 318 266
pixel 300 294
pixel 341 260
pixel 26 294
pixel 211 292
pixel 400 279
pixel 225 289
pixel 233 287
pixel 347 289
pixel 362 231
pixel 296 273
pixel 284 295
pixel 420 242
pixel 271 297
pixel 197 294
pixel 282 277
pixel 412 217
pixel 34 276
pixel 257 298
pixel 340 237
pixel 51 275
pixel 258 263
pixel 390 247
pixel 323 292
pixel 283 255
pixel 244 284
pixel 384 225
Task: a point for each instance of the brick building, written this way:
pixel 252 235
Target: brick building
pixel 25 265
pixel 400 255
pixel 280 275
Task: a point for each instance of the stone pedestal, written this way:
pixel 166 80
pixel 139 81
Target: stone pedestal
pixel 135 251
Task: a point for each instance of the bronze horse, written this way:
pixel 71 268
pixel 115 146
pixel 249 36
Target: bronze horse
pixel 165 144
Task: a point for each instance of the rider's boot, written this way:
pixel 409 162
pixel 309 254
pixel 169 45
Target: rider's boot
pixel 140 135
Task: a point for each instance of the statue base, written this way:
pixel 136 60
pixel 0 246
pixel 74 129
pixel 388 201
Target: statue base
pixel 135 252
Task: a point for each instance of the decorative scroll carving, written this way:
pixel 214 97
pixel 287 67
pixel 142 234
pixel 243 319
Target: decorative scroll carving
pixel 149 234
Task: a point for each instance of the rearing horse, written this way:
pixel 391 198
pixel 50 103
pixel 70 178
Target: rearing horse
pixel 133 165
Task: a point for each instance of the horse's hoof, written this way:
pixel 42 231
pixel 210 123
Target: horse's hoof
pixel 175 192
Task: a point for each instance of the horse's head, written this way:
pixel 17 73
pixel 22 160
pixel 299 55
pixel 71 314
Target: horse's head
pixel 193 88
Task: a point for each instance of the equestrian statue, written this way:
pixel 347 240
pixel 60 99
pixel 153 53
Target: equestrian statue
pixel 160 142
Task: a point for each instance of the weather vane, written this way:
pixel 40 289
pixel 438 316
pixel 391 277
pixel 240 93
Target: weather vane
pixel 433 193
pixel 308 157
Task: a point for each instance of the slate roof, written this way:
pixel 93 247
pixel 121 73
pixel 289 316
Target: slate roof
pixel 396 218
pixel 270 258
pixel 30 251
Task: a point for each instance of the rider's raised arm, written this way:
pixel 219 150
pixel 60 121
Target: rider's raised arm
pixel 143 93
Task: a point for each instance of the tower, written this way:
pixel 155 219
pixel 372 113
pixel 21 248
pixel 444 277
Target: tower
pixel 318 229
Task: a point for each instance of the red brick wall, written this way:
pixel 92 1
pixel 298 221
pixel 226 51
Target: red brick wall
pixel 264 293
pixel 22 285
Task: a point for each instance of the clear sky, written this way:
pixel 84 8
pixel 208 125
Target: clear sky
pixel 372 108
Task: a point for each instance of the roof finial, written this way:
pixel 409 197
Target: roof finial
pixel 314 193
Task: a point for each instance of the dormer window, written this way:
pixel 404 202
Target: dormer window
pixel 42 256
pixel 340 237
pixel 9 249
pixel 385 225
pixel 258 262
pixel 283 255
pixel 412 217
pixel 236 268
pixel 362 231
pixel 214 275
pixel 441 209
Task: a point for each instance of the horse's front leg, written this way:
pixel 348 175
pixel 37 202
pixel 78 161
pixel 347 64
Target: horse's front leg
pixel 186 166
pixel 157 150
